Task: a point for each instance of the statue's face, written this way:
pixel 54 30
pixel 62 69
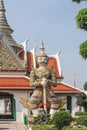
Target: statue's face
pixel 42 61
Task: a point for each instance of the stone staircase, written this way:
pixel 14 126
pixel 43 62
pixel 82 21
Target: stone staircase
pixel 7 125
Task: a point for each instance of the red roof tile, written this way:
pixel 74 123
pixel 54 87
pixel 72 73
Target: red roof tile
pixel 52 62
pixel 65 88
pixel 23 83
pixel 30 61
pixel 14 82
pixel 21 55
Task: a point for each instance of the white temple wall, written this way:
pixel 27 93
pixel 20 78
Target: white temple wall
pixel 64 95
pixel 20 110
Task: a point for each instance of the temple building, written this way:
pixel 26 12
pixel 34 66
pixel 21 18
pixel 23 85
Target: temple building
pixel 15 65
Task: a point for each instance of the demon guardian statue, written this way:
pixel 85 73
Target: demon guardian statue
pixel 42 78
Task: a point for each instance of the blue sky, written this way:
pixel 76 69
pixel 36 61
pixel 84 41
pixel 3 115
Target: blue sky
pixel 54 21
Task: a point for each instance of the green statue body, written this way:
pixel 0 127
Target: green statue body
pixel 43 77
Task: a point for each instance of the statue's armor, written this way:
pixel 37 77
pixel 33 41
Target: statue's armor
pixel 36 77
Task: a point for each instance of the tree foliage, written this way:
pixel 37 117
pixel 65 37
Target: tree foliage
pixel 83 50
pixel 81 98
pixel 61 119
pixel 82 120
pixel 81 19
pixel 78 1
pixel 85 86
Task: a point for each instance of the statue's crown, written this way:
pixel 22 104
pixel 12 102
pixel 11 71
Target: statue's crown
pixel 42 53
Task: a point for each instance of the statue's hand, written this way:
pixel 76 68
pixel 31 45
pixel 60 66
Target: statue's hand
pixel 44 81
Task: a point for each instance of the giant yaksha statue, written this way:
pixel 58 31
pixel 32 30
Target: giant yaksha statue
pixel 42 78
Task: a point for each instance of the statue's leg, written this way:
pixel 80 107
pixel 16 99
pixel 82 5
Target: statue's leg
pixel 35 100
pixel 54 102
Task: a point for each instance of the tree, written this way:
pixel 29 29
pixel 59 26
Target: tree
pixel 85 86
pixel 81 21
pixel 82 100
pixel 78 1
pixel 83 50
pixel 81 97
pixel 61 119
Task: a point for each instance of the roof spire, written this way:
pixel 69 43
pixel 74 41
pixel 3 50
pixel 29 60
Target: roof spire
pixel 4 27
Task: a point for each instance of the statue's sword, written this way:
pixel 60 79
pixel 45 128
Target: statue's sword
pixel 44 95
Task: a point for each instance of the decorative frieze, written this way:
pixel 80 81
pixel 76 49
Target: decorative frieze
pixel 6 61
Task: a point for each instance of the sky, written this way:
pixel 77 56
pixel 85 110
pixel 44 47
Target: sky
pixel 54 22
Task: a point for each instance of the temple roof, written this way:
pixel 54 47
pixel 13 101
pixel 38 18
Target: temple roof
pixel 65 88
pixel 16 55
pixel 23 82
pixel 52 62
pixel 6 30
pixel 14 82
pixel 4 26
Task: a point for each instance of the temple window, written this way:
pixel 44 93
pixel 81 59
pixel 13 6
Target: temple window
pixel 7 106
pixel 69 103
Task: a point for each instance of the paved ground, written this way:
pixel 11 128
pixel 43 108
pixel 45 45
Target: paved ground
pixel 11 126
